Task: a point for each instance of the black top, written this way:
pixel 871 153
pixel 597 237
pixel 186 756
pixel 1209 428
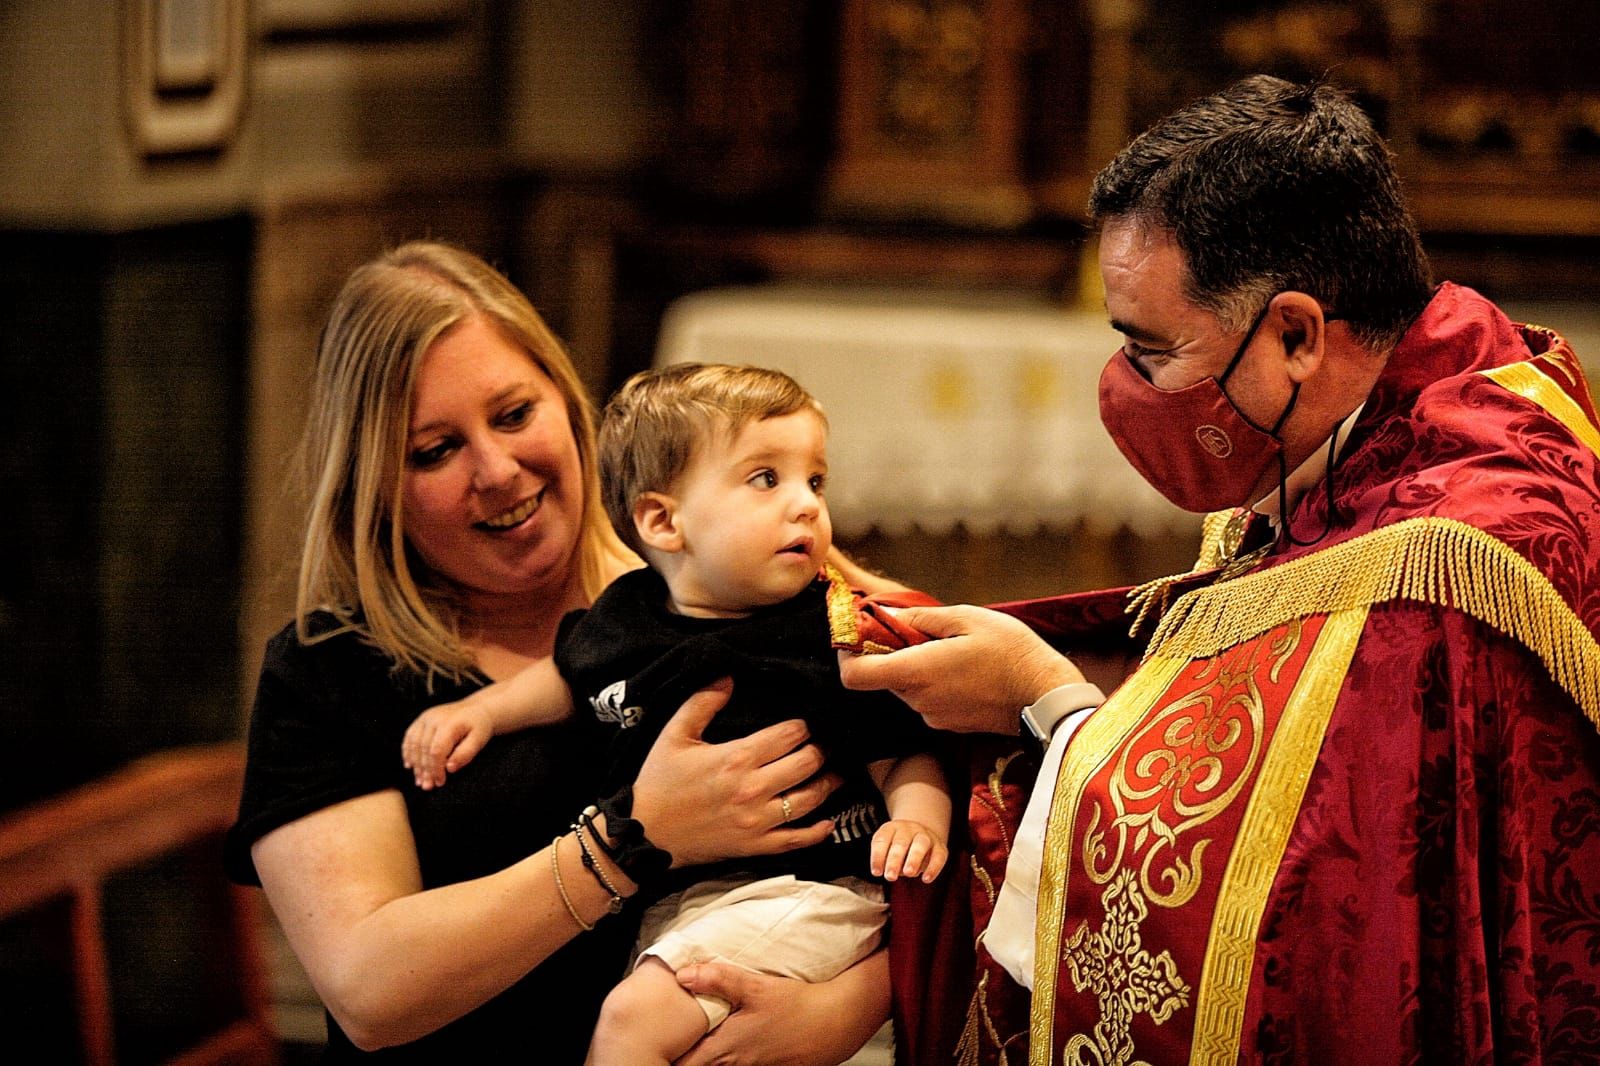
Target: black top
pixel 326 727
pixel 635 662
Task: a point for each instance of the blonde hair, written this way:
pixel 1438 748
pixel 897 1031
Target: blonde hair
pixel 652 425
pixel 356 563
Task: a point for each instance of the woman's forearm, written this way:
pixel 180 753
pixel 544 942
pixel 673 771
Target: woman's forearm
pixel 391 961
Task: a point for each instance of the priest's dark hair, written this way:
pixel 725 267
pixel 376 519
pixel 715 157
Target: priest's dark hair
pixel 1270 186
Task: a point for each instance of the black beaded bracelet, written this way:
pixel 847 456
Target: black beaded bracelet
pixel 617 901
pixel 627 846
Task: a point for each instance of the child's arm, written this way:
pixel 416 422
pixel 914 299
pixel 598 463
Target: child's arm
pixel 915 839
pixel 445 738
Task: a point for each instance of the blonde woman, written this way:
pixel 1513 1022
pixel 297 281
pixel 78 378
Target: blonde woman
pixel 453 518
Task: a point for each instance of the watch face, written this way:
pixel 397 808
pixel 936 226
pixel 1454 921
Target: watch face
pixel 1031 727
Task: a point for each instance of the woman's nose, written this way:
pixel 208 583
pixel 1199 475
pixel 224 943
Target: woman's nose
pixel 496 467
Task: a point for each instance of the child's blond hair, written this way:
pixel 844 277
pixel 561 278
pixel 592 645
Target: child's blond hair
pixel 652 425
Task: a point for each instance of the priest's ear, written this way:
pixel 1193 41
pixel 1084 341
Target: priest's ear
pixel 1303 326
pixel 655 517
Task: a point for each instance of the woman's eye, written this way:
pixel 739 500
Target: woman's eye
pixel 517 416
pixel 765 479
pixel 431 456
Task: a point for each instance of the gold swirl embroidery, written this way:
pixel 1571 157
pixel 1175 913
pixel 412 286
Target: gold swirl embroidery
pixel 1184 781
pixel 1126 979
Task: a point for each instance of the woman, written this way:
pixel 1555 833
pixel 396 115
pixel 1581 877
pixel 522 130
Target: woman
pixel 454 517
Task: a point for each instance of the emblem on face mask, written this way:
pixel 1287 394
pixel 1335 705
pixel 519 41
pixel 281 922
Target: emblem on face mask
pixel 610 706
pixel 1214 440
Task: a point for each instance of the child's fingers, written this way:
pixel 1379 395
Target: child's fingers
pixel 937 857
pixel 465 751
pixel 894 864
pixel 916 853
pixel 880 848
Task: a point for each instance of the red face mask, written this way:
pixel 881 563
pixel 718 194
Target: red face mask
pixel 1192 444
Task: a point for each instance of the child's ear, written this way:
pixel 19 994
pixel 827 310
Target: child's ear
pixel 655 517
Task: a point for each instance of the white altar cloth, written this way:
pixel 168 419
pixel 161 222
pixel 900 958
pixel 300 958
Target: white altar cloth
pixel 971 409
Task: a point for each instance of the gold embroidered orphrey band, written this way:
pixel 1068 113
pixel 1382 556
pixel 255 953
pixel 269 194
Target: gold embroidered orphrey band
pixel 1262 837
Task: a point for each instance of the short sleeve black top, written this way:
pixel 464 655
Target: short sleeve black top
pixel 326 727
pixel 633 662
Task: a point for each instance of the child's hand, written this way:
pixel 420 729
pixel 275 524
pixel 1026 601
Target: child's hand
pixel 443 739
pixel 902 847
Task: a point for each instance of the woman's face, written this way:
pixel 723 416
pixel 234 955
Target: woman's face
pixel 493 489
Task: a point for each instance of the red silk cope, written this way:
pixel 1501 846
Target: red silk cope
pixel 1366 829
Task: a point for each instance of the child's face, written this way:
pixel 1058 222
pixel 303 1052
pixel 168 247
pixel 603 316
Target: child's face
pixel 752 516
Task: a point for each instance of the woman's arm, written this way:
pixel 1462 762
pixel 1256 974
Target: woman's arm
pixel 784 1022
pixel 393 962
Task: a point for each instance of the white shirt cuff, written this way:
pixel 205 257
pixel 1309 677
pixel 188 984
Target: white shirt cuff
pixel 1009 936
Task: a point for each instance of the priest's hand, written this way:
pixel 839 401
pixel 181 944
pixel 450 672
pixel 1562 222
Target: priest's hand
pixel 977 674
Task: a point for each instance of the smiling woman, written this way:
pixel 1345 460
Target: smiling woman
pixel 454 517
pixel 493 485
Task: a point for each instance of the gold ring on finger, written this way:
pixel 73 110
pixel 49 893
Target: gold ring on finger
pixel 788 815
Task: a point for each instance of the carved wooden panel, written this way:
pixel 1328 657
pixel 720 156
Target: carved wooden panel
pixel 930 110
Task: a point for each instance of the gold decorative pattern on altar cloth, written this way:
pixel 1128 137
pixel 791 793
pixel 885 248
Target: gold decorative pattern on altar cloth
pixel 1093 745
pixel 1127 979
pixel 1263 834
pixel 1533 384
pixel 1438 561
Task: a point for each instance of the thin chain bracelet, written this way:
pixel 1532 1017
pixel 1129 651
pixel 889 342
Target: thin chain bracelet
pixel 615 906
pixel 555 868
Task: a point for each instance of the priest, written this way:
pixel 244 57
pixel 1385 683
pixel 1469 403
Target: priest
pixel 1346 808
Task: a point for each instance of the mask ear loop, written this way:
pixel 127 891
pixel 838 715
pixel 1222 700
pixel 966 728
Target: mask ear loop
pixel 1283 471
pixel 1283 497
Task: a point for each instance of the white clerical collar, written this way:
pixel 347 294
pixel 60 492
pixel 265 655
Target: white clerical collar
pixel 1312 470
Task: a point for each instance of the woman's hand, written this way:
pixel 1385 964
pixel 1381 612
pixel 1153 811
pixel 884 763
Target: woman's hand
pixel 703 802
pixel 976 677
pixel 781 1021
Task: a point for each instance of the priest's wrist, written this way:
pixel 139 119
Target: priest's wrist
pixel 1040 718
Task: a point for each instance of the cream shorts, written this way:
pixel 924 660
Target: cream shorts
pixel 811 930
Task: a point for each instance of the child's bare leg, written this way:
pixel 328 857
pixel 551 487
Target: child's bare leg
pixel 647 1018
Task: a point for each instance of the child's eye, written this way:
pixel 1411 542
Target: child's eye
pixel 818 483
pixel 764 479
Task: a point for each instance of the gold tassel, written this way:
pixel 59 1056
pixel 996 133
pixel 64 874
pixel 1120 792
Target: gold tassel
pixel 1438 561
pixel 843 623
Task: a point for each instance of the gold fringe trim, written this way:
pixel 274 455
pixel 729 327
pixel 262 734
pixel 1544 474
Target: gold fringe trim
pixel 843 625
pixel 1437 561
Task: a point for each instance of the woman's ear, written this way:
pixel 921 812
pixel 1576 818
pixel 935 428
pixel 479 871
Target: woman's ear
pixel 1304 333
pixel 655 517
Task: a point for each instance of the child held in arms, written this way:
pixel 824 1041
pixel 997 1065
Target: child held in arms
pixel 715 476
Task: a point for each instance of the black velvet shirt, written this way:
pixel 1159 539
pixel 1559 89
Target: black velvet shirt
pixel 326 727
pixel 633 663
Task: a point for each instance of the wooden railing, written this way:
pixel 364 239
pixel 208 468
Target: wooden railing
pixel 57 857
